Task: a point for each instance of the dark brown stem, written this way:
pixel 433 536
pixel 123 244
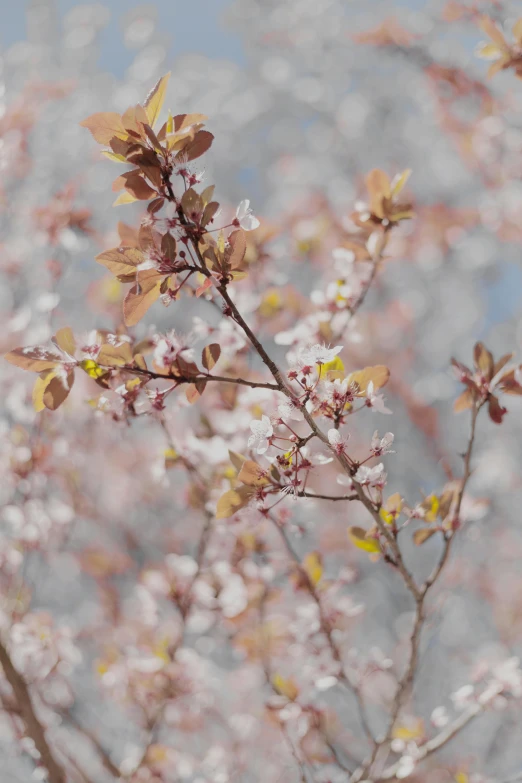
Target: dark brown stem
pixel 33 727
pixel 317 496
pixel 182 379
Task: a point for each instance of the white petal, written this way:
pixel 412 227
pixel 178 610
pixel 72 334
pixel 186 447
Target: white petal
pixel 242 209
pixel 249 222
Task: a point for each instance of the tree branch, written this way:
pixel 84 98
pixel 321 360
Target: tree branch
pixel 33 727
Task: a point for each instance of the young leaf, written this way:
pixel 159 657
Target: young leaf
pixel 313 567
pixel 285 687
pixel 357 536
pixel 124 198
pixel 378 186
pixel 155 99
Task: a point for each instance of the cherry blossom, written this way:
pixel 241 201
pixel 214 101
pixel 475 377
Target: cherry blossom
pixel 245 217
pixel 262 431
pixel 170 347
pixel 336 441
pixel 381 446
pixel 375 400
pixel 371 477
pixel 318 354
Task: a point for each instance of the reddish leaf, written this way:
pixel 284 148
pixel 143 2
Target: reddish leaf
pixel 181 122
pixel 137 187
pixel 237 243
pixel 204 287
pixel 496 410
pixel 201 142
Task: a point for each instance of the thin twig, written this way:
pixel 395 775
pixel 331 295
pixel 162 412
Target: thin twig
pixel 180 379
pixel 406 682
pixel 327 630
pixel 104 756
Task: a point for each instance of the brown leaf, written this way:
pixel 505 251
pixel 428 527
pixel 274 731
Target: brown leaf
pixel 64 339
pixel 496 410
pixel 192 393
pixel 252 474
pixel 128 235
pixel 210 355
pixel 133 120
pixel 192 204
pixel 233 500
pixel 155 99
pixel 139 299
pixel 121 261
pixel 236 459
pixel 422 535
pixel 379 374
pixel 51 389
pixel 483 360
pixel 104 126
pixel 491 29
pixel 35 358
pixel 168 246
pixel 509 385
pixel 237 248
pixel 137 187
pixel 501 363
pixel 201 142
pixel 115 356
pixel 209 212
pixel 464 401
pixel 378 185
pixel 181 122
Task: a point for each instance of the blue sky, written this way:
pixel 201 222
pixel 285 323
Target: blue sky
pixel 191 26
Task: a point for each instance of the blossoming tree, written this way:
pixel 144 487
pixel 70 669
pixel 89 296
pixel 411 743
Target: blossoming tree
pixel 242 623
